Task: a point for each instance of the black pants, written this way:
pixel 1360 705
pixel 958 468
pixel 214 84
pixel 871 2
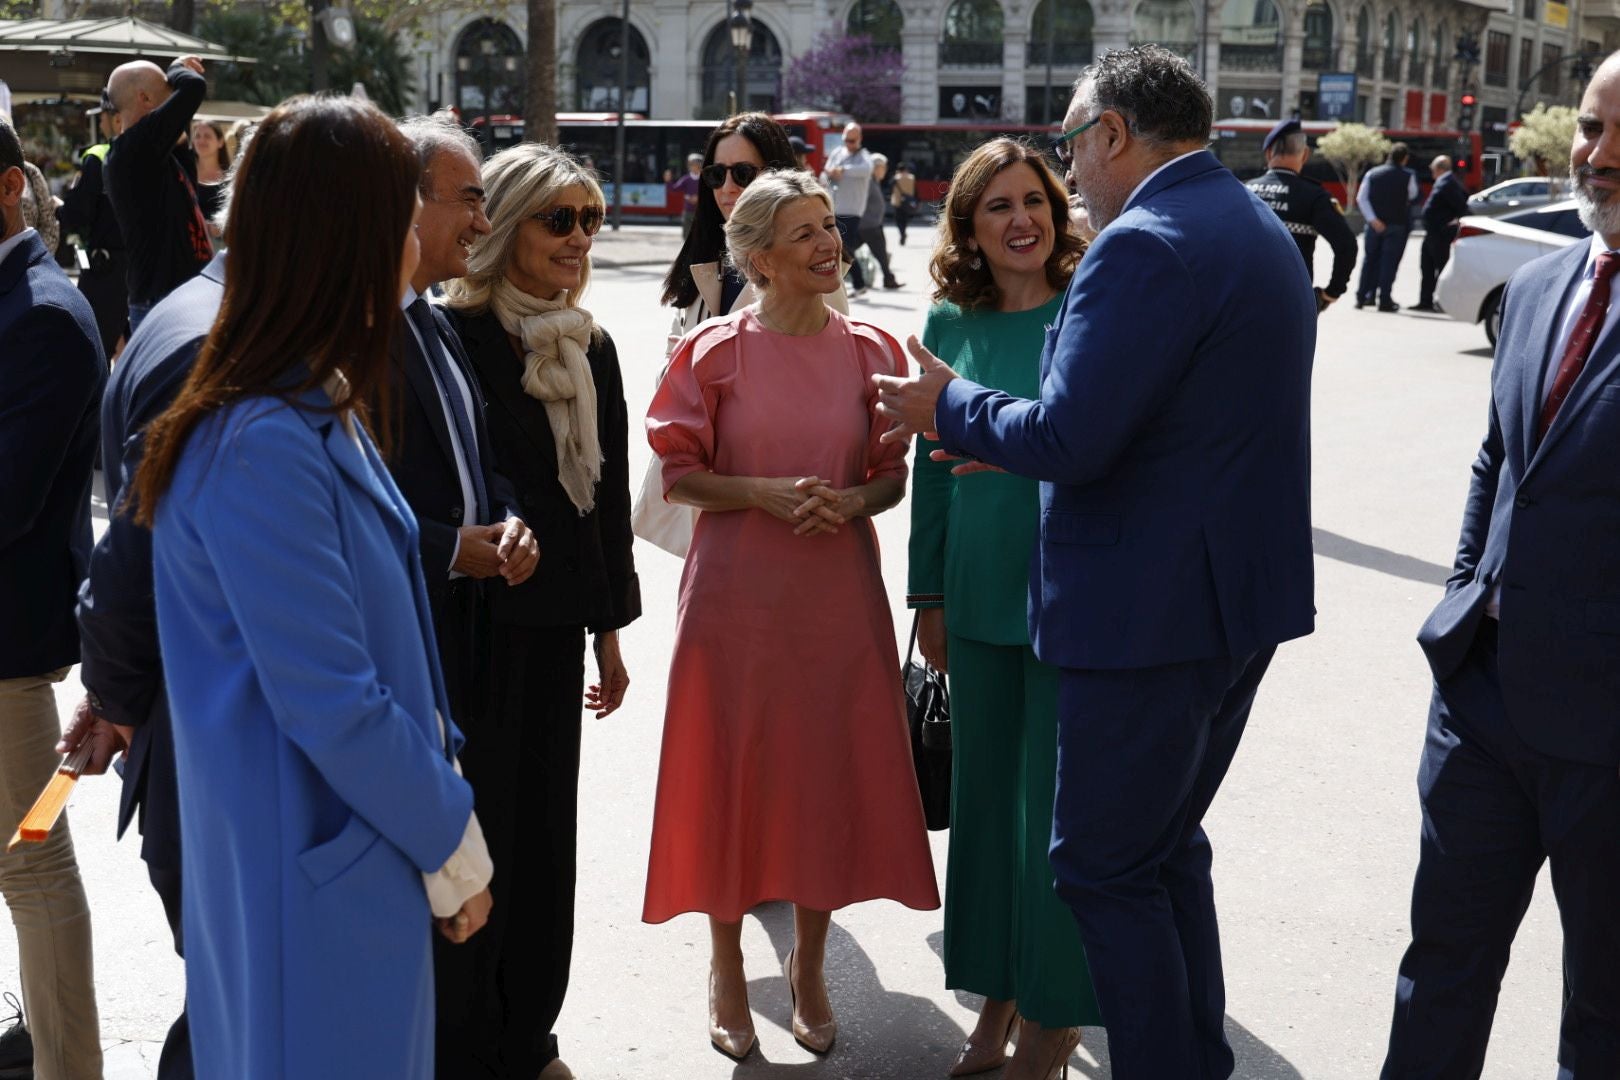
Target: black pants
pixel 109 299
pixel 902 219
pixel 1495 809
pixel 1436 253
pixel 174 1063
pixel 499 994
pixel 461 626
pixel 873 238
pixel 1378 265
pixel 849 230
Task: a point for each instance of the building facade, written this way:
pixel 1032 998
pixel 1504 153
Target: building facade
pixel 1014 60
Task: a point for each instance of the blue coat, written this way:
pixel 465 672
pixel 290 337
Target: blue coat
pixel 314 787
pixel 1542 521
pixel 1172 434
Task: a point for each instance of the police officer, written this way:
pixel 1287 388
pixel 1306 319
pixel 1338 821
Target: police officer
pixel 1305 206
pixel 87 212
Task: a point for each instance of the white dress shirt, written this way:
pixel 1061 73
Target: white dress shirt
pixel 469 500
pixel 1137 190
pixel 1364 197
pixel 8 246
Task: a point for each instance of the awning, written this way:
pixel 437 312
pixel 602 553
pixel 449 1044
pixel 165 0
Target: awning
pixel 126 37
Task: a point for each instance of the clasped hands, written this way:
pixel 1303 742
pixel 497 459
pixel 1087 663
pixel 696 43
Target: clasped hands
pixel 508 550
pixel 910 403
pixel 809 504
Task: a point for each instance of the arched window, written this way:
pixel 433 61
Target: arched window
pixel 1441 75
pixel 489 70
pixel 1319 37
pixel 596 69
pixel 1392 48
pixel 973 34
pixel 763 85
pixel 1251 36
pixel 1415 38
pixel 1171 23
pixel 1366 49
pixel 1067 25
pixel 879 20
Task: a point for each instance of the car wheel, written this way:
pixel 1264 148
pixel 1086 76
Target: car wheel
pixel 1493 315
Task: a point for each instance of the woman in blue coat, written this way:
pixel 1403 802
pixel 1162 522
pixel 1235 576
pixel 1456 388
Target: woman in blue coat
pixel 321 811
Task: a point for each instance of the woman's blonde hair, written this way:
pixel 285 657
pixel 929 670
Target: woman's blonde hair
pixel 752 228
pixel 519 182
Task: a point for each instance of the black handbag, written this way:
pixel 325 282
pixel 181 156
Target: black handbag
pixel 928 713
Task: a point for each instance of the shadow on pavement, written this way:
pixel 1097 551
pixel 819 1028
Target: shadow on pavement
pixel 1333 546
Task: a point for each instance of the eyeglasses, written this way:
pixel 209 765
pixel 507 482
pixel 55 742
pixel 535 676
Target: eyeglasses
pixel 1060 143
pixel 742 172
pixel 562 219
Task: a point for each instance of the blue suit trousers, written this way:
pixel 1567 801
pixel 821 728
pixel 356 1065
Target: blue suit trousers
pixel 1379 263
pixel 1141 753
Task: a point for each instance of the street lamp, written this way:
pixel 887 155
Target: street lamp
pixel 742 39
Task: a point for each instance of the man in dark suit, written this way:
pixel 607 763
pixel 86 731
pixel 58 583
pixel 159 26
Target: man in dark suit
pixel 1385 200
pixel 126 703
pixel 52 371
pixel 1519 767
pixel 1175 544
pixel 1448 201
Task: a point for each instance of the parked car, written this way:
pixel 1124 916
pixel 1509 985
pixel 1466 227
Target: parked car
pixel 1521 193
pixel 1488 250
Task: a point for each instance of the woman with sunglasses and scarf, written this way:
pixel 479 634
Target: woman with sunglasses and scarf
pixel 559 427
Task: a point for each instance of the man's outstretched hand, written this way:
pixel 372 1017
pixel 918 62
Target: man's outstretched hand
pixel 910 403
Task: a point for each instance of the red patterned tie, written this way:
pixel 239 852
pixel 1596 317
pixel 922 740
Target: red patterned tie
pixel 1580 340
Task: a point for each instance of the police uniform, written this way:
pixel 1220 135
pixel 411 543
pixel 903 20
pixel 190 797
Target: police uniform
pixel 1308 211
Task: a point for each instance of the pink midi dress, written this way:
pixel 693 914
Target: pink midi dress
pixel 786 768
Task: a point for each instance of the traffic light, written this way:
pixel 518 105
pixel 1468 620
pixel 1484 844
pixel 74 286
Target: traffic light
pixel 1465 115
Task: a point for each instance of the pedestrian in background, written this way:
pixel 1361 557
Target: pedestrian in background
pixel 786 770
pixel 152 178
pixel 903 197
pixel 872 220
pixel 51 375
pixel 559 426
pixel 1002 262
pixel 39 208
pixel 846 172
pixel 87 212
pixel 1385 201
pixel 213 162
pixel 1448 201
pixel 687 185
pixel 297 640
pixel 1305 207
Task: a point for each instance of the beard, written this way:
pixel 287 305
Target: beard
pixel 1599 208
pixel 1104 201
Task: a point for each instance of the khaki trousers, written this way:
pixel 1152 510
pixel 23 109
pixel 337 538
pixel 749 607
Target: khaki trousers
pixel 41 886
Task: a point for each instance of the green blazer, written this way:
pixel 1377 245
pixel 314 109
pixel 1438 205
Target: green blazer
pixel 972 536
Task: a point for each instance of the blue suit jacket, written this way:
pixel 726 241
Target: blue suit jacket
pixel 1172 435
pixel 118 634
pixel 51 375
pixel 1542 522
pixel 314 787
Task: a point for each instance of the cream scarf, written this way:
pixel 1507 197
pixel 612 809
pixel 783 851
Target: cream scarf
pixel 556 372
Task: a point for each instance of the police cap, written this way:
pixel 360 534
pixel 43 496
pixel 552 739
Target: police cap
pixel 1283 129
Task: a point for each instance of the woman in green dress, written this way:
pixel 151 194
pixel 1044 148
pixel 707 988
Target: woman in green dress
pixel 1004 257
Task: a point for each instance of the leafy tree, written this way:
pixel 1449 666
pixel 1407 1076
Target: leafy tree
pixel 377 61
pixel 1543 138
pixel 1350 148
pixel 846 73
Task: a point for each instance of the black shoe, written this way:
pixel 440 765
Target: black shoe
pixel 1424 307
pixel 16 1047
pixel 892 284
pixel 1392 306
pixel 1360 303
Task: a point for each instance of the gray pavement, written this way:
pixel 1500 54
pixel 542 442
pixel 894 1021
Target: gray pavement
pixel 1315 831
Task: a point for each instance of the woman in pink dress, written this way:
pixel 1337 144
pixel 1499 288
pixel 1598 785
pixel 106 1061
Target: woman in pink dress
pixel 786 771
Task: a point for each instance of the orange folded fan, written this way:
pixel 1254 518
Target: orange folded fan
pixel 36 824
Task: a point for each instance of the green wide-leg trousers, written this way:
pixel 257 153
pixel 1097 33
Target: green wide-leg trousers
pixel 1007 935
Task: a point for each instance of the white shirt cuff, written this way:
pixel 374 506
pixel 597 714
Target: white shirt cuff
pixel 463 876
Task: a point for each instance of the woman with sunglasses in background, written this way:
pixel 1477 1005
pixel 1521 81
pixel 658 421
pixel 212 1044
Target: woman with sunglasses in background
pixel 1005 255
pixel 702 285
pixel 559 427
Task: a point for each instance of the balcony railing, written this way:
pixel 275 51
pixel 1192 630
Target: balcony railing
pixel 1416 68
pixel 1441 75
pixel 1364 64
pixel 971 53
pixel 1251 57
pixel 1318 58
pixel 1496 78
pixel 1064 53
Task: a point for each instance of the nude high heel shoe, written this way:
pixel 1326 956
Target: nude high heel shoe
pixel 1057 1066
pixel 982 1057
pixel 817 1039
pixel 735 1043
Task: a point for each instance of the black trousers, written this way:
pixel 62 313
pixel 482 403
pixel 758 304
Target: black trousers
pixel 874 239
pixel 1495 809
pixel 849 231
pixel 1436 252
pixel 500 993
pixel 1378 265
pixel 174 1063
pixel 461 626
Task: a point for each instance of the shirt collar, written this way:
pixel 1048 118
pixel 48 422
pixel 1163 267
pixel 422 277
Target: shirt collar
pixel 410 297
pixel 1148 178
pixel 1595 248
pixel 8 246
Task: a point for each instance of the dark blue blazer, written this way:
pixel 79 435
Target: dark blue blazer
pixel 117 618
pixel 51 375
pixel 1543 521
pixel 1172 435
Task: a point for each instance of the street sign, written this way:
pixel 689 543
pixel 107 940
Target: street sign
pixel 1336 95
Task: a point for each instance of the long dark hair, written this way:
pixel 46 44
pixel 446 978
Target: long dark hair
pixel 708 236
pixel 312 284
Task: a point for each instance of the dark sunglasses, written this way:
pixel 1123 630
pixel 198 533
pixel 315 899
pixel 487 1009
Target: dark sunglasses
pixel 562 219
pixel 742 172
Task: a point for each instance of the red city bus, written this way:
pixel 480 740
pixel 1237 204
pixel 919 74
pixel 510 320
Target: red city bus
pixel 1237 144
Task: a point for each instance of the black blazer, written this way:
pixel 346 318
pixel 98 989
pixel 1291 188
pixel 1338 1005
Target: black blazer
pixel 51 375
pixel 423 460
pixel 587 574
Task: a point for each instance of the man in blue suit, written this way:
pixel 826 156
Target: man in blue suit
pixel 1172 442
pixel 51 374
pixel 1519 767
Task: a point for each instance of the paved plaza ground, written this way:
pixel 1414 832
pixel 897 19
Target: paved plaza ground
pixel 1315 831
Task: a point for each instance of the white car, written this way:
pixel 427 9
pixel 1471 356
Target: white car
pixel 1520 193
pixel 1488 250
